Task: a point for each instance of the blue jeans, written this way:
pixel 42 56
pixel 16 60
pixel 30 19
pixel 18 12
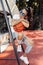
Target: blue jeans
pixel 24 39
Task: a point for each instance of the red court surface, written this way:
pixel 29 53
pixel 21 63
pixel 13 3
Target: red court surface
pixel 36 54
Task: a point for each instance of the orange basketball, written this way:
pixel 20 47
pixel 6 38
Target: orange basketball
pixel 19 27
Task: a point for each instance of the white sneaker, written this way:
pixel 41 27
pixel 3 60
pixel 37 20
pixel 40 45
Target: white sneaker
pixel 19 49
pixel 24 59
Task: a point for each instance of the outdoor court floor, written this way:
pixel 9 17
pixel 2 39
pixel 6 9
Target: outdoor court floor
pixel 36 54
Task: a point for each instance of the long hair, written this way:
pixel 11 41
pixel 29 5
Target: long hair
pixel 28 12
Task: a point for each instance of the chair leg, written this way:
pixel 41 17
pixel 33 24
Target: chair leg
pixel 22 48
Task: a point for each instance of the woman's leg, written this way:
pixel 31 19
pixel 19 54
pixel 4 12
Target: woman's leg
pixel 27 50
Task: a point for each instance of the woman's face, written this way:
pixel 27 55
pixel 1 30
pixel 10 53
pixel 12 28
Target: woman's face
pixel 24 12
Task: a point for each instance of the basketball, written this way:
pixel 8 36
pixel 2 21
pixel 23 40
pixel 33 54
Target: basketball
pixel 19 27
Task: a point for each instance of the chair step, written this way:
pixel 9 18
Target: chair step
pixel 3 47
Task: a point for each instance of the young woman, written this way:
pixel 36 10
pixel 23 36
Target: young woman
pixel 17 28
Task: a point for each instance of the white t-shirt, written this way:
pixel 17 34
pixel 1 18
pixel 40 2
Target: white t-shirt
pixel 16 16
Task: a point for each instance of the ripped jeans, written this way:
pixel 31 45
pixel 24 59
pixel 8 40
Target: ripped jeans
pixel 24 40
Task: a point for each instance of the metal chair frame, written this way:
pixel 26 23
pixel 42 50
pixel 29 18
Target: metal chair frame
pixel 10 33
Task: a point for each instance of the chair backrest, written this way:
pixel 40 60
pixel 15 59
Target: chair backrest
pixel 14 9
pixel 4 6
